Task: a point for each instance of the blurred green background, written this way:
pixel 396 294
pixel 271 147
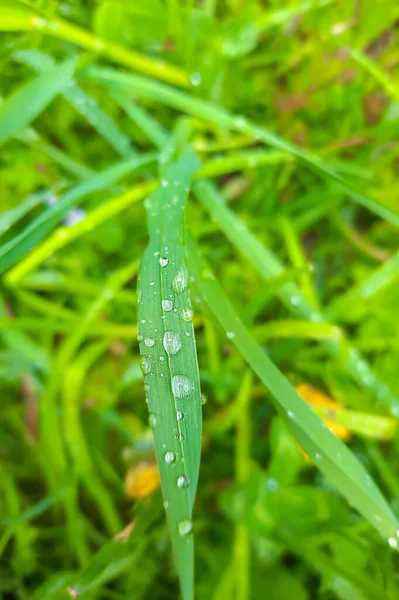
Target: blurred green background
pixel 322 75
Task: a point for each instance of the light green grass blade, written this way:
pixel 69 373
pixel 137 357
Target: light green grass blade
pixel 85 104
pixel 330 455
pixel 12 216
pixel 202 109
pixel 169 360
pixel 29 237
pixel 16 16
pixel 22 107
pixel 269 266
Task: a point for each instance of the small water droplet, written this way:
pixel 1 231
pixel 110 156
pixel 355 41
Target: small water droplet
pixel 318 456
pixel 166 505
pixel 291 414
pixel 181 386
pixel 171 342
pixel 139 338
pixel 153 420
pixel 163 261
pixel 164 183
pixel 185 527
pixel 161 358
pixel 272 484
pixel 181 438
pixel 240 122
pixel 179 415
pixel 167 305
pixel 203 399
pixel 145 365
pixel 187 314
pixel 179 282
pixel 295 300
pixel 148 342
pixel 143 321
pixel 152 282
pixel 183 482
pixel 170 457
pixel 195 78
pixel 393 542
pixel 231 335
pixel 147 387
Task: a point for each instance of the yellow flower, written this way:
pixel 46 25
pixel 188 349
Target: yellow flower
pixel 142 479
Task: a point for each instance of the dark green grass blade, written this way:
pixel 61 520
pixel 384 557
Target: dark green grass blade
pixel 169 360
pixel 330 455
pixel 34 233
pixel 211 112
pixel 264 261
pixel 85 104
pixel 22 107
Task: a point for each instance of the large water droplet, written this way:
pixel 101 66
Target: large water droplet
pixel 170 457
pixel 183 482
pixel 145 365
pixel 179 282
pixel 187 314
pixel 185 527
pixel 153 420
pixel 181 386
pixel 148 342
pixel 167 305
pixel 171 342
pixel 163 261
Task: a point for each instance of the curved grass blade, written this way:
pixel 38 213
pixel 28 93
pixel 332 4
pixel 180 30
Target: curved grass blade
pixel 208 111
pixel 264 261
pixel 29 237
pixel 330 455
pixel 85 104
pixel 16 16
pixel 19 109
pixel 169 361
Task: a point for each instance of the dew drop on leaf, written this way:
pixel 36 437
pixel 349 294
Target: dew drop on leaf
pixel 171 342
pixel 181 386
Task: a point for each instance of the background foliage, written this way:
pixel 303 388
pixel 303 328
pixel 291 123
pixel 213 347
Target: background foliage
pixel 292 110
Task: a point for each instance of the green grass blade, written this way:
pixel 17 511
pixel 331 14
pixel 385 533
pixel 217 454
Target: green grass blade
pixel 12 216
pixel 22 107
pixel 169 361
pixel 269 267
pixel 330 455
pixel 85 104
pixel 202 109
pixel 29 237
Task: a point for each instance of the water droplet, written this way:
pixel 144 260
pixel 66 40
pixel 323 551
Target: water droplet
pixel 139 338
pixel 187 314
pixel 163 261
pixel 231 335
pixel 147 387
pixel 272 484
pixel 181 386
pixel 295 300
pixel 166 505
pixel 203 399
pixel 291 414
pixel 152 282
pixel 179 282
pixel 153 420
pixel 167 305
pixel 318 456
pixel 170 457
pixel 183 482
pixel 240 122
pixel 195 78
pixel 145 365
pixel 161 358
pixel 171 342
pixel 143 321
pixel 393 542
pixel 179 415
pixel 164 183
pixel 148 342
pixel 181 438
pixel 185 527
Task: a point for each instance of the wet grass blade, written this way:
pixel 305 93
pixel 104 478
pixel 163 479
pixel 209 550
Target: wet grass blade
pixel 169 360
pixel 22 107
pixel 330 455
pixel 85 104
pixel 34 233
pixel 208 111
pixel 268 265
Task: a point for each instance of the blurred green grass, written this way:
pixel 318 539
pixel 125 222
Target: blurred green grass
pixel 324 77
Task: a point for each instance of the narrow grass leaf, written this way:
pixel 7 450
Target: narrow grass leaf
pixel 85 104
pixel 208 111
pixel 169 360
pixel 22 107
pixel 12 216
pixel 31 235
pixel 264 261
pixel 330 455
